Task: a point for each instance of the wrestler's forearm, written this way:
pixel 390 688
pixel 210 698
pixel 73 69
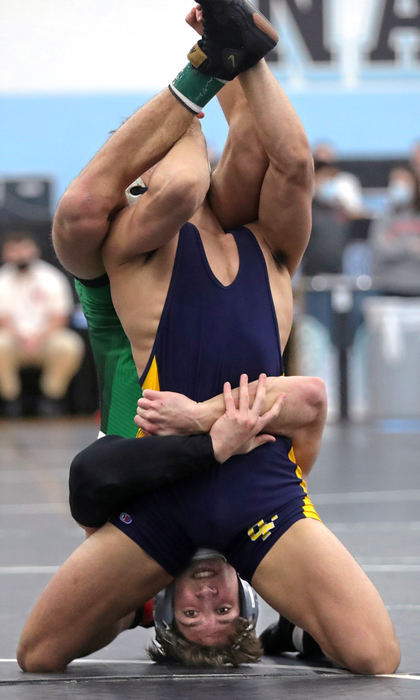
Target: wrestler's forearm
pixel 305 397
pixel 301 418
pixel 113 469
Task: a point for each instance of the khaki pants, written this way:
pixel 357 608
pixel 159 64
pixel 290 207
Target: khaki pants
pixel 59 357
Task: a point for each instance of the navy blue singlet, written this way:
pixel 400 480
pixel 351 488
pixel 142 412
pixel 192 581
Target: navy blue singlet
pixel 209 334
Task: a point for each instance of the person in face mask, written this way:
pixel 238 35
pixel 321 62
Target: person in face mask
pixel 334 187
pixel 395 238
pixel 401 189
pixel 35 304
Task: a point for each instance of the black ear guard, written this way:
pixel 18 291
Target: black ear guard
pixel 163 609
pixel 248 602
pixel 135 190
pixel 163 606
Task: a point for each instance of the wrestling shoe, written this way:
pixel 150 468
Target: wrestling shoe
pixel 285 636
pixel 235 37
pixel 278 637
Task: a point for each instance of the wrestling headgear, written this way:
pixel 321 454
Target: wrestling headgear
pixel 135 190
pixel 163 606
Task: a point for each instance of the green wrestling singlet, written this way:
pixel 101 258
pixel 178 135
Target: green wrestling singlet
pixel 118 384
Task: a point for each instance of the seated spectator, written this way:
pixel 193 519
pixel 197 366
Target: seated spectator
pixel 334 186
pixel 35 305
pixel 395 239
pixel 400 190
pixel 324 254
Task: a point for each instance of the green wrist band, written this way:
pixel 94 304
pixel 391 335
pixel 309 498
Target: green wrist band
pixel 194 89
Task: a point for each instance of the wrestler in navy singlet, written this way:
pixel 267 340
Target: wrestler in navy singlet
pixel 209 334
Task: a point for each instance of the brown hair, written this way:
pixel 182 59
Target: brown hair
pixel 245 647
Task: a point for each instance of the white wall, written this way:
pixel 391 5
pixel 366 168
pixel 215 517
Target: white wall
pixel 72 70
pixel 135 45
pixel 91 45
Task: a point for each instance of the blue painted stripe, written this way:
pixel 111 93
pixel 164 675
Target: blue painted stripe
pixel 57 135
pixel 398 425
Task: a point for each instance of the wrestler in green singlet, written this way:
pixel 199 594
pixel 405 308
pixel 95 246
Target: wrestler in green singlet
pixel 118 384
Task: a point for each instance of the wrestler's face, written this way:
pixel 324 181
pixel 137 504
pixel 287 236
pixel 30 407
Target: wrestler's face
pixel 206 602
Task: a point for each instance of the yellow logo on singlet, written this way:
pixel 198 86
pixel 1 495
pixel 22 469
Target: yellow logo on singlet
pixel 262 529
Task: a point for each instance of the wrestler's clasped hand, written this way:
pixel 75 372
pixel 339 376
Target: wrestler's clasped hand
pixel 167 413
pixel 239 429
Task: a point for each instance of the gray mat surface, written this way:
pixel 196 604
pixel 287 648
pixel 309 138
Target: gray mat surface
pixel 366 486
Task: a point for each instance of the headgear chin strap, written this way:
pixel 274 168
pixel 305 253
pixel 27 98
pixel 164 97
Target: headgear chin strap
pixel 163 606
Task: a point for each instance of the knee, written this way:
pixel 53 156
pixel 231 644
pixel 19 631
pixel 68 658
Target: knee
pixel 314 396
pixel 39 658
pixel 380 656
pixel 77 346
pixel 82 211
pixel 316 392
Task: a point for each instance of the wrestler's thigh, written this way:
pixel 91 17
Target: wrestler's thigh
pixel 309 577
pixel 105 578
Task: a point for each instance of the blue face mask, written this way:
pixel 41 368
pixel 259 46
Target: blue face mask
pixel 326 191
pixel 400 194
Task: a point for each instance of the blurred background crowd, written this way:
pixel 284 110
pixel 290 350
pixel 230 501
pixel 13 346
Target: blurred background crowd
pixel 352 71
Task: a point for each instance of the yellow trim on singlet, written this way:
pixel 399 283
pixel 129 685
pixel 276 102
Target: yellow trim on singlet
pixel 308 508
pixel 151 382
pixel 152 377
